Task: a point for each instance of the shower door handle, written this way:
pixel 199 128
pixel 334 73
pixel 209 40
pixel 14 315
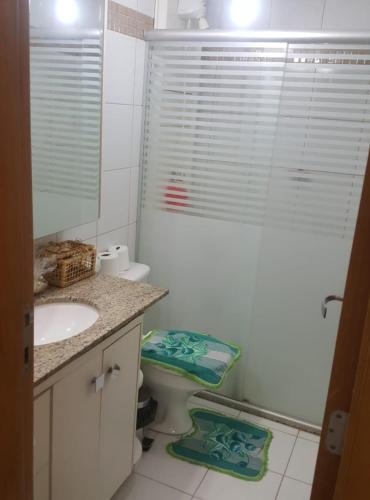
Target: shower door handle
pixel 325 302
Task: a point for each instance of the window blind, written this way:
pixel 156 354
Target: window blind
pixel 262 133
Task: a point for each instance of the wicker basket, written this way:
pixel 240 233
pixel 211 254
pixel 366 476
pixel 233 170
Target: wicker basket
pixel 75 262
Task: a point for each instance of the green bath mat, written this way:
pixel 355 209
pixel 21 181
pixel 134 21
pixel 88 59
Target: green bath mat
pixel 224 444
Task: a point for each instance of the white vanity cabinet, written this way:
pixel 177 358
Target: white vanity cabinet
pixel 118 412
pixel 93 405
pixel 75 434
pixel 41 447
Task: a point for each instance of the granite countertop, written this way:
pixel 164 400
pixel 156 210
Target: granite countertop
pixel 118 301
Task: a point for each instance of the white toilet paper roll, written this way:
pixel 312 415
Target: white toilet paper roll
pixel 123 258
pixel 108 263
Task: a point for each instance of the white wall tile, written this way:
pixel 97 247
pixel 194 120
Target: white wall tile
pixel 91 241
pixel 136 135
pixel 114 200
pixel 105 15
pixel 346 15
pixel 119 64
pixel 296 14
pixel 134 187
pixel 139 72
pixel 44 240
pixel 287 14
pixel 147 7
pixel 161 14
pixel 104 241
pixel 132 242
pixel 173 20
pixel 131 4
pixel 214 13
pixel 83 232
pixel 116 136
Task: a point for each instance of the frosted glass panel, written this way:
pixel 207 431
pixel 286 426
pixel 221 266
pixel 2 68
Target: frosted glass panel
pixel 65 77
pixel 210 268
pixel 291 346
pixel 211 126
pixel 254 156
pixel 322 143
pixel 207 156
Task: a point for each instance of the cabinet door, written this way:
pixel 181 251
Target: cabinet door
pixel 118 413
pixel 76 414
pixel 41 446
pixel 41 484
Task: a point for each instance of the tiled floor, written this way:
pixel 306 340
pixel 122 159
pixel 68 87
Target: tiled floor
pixel 292 458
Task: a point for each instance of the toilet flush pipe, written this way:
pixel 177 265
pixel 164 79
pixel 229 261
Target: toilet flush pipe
pixel 191 11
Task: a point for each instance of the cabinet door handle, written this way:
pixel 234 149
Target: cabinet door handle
pixel 114 370
pixel 98 382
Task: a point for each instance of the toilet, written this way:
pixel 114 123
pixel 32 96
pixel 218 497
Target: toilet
pixel 172 391
pixel 172 386
pixel 176 365
pixel 136 272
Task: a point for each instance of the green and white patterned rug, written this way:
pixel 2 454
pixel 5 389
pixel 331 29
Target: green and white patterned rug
pixel 197 356
pixel 224 444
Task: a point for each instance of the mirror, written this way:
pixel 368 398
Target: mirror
pixel 66 45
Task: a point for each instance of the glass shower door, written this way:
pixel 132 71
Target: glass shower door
pixel 211 118
pixel 318 163
pixel 254 156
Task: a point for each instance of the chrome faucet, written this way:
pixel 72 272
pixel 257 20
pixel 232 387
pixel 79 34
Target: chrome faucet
pixel 325 302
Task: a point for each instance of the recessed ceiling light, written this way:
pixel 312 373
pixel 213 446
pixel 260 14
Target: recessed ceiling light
pixel 244 12
pixel 66 11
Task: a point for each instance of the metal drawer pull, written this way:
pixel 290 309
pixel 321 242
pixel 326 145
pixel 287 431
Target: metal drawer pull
pixel 98 382
pixel 325 302
pixel 114 370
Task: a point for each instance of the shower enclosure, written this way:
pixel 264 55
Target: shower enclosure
pixel 255 147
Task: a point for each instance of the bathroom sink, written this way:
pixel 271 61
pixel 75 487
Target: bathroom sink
pixel 62 320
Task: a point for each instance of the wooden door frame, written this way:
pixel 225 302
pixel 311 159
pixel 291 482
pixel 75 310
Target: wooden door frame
pixel 348 347
pixel 354 465
pixel 16 295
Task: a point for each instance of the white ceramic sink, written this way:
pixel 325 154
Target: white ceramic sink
pixel 62 320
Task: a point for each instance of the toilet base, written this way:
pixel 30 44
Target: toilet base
pixel 172 392
pixel 138 450
pixel 172 415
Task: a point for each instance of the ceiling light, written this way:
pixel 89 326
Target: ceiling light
pixel 66 11
pixel 244 12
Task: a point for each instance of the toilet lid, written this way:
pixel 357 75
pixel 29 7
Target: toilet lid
pixel 197 356
pixel 136 272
